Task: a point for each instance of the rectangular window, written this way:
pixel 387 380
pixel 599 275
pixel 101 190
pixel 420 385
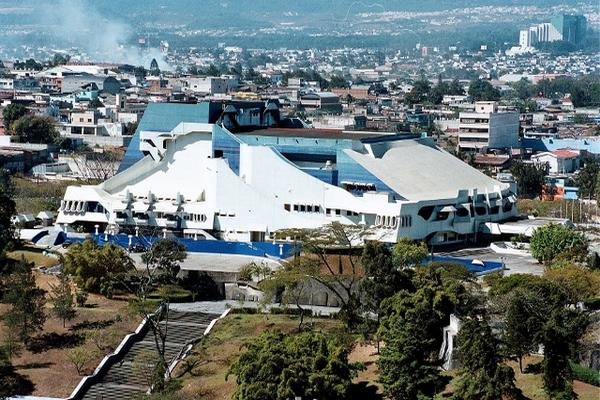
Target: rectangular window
pixel 302 208
pixel 338 211
pixel 296 207
pixel 317 209
pixel 328 211
pixel 286 207
pixel 309 208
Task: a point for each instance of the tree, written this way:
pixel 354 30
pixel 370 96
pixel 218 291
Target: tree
pixel 537 313
pixel 530 178
pixel 163 258
pixel 9 384
pixel 550 241
pixel 587 177
pixel 456 88
pixel 34 129
pixel 26 300
pixel 80 356
pixel 11 113
pixel 577 282
pixel 411 329
pixel 407 254
pixel 62 299
pixel 523 89
pixel 60 59
pixel 276 366
pixel 290 284
pixel 481 90
pixel 560 335
pixel 338 82
pixel 7 210
pixel 96 103
pixel 419 92
pixel 521 324
pixel 332 261
pixel 91 264
pixel 382 279
pixel 482 374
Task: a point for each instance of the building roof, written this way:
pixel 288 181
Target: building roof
pixel 419 171
pixel 312 133
pixel 564 153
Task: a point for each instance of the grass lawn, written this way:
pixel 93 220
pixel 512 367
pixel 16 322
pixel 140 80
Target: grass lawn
pixel 33 196
pixel 35 256
pixel 43 365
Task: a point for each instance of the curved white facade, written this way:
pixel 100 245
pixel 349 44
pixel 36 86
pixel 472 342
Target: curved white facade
pixel 251 189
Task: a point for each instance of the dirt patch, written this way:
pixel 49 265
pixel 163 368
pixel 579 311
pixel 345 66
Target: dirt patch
pixel 43 362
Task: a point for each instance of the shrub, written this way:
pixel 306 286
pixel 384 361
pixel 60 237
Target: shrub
pixel 550 241
pixel 583 374
pixel 593 303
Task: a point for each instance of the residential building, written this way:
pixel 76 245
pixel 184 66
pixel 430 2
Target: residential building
pixel 563 161
pixel 487 128
pixel 325 101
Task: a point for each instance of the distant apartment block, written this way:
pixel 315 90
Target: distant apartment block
pixel 486 128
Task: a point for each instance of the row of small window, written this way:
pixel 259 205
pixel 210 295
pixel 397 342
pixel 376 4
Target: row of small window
pixel 387 221
pixel 317 209
pixel 195 217
pixel 302 208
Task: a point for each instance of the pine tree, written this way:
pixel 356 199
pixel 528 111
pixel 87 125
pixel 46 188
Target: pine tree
pixel 26 313
pixel 62 299
pixel 482 375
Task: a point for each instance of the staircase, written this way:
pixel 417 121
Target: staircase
pixel 122 381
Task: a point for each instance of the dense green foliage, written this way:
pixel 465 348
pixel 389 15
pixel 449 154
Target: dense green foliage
pixel 163 258
pixel 530 178
pixel 482 375
pixel 35 129
pixel 481 90
pixel 26 313
pixel 587 178
pixel 275 366
pixel 62 299
pixel 583 374
pixel 411 327
pixel 11 113
pixel 559 337
pixel 550 241
pixel 95 267
pixel 423 92
pixel 537 312
pixel 7 210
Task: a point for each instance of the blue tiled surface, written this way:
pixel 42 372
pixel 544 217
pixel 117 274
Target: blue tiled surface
pixel 256 249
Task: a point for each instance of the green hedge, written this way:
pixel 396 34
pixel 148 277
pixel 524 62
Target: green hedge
pixel 174 293
pixel 583 374
pixel 593 303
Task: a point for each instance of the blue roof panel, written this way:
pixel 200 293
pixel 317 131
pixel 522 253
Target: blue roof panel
pixel 162 117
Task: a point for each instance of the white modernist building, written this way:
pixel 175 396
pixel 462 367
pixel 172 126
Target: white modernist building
pixel 202 181
pixel 486 128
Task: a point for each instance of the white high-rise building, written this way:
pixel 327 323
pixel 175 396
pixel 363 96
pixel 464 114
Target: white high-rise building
pixel 486 128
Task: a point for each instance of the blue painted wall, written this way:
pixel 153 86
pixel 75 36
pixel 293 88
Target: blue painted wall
pixel 229 145
pixel 257 249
